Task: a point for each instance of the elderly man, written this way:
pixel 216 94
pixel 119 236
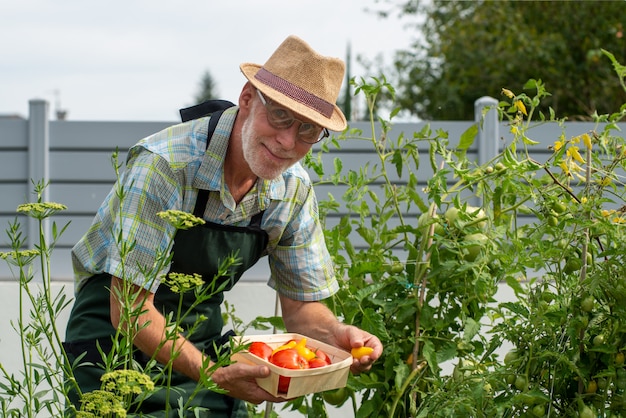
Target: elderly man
pixel 244 179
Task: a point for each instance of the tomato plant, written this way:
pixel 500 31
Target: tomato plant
pixel 423 271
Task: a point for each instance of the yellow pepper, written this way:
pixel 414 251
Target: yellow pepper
pixel 290 344
pixel 304 351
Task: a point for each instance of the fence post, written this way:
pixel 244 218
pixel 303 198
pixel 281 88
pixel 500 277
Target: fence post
pixel 486 115
pixel 38 160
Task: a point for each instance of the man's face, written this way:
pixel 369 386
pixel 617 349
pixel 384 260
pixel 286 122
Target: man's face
pixel 267 150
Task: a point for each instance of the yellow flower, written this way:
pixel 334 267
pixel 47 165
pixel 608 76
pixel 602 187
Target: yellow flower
pixel 574 154
pixel 40 210
pixel 102 403
pixel 126 382
pixel 508 93
pixel 181 283
pixel 520 106
pixel 19 258
pixel 587 140
pixel 179 219
pixel 607 213
pixel 558 145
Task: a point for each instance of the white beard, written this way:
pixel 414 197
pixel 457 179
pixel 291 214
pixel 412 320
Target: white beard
pixel 251 145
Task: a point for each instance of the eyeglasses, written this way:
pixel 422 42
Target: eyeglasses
pixel 281 118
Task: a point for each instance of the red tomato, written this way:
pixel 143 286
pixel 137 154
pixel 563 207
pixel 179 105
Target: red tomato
pixel 322 355
pixel 289 359
pixel 260 349
pixel 283 383
pixel 317 362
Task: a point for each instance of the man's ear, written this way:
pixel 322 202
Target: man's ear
pixel 246 97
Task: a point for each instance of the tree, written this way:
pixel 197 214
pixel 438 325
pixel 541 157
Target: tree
pixel 346 100
pixel 474 49
pixel 207 88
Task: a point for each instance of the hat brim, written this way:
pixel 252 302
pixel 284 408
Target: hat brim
pixel 337 121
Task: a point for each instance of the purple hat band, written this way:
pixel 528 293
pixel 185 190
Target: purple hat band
pixel 294 92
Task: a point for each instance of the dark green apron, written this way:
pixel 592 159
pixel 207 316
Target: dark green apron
pixel 196 250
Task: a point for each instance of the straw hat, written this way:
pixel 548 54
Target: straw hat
pixel 302 80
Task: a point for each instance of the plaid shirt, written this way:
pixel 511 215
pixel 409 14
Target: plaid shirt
pixel 164 172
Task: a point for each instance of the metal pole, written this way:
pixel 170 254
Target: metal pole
pixel 269 406
pixel 38 160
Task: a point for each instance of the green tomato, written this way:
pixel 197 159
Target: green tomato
pixel 587 303
pixel 451 215
pixel 521 383
pixel 464 370
pixel 478 241
pixel 425 220
pixel 559 207
pixel 553 220
pixel 477 213
pixel 511 356
pixel 539 411
pixel 397 267
pixel 572 265
pixel 598 340
pixel 336 397
pixel 473 213
pixel 586 412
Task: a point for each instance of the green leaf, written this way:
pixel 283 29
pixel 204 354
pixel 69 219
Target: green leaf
pixel 529 141
pixel 467 138
pixel 373 323
pixel 471 329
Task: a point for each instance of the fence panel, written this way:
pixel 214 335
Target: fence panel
pixel 80 172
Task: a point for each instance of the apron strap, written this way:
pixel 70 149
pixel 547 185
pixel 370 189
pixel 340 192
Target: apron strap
pixel 203 195
pixel 204 109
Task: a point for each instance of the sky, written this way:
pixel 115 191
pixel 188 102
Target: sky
pixel 143 60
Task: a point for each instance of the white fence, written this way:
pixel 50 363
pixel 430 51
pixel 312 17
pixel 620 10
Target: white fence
pixel 75 159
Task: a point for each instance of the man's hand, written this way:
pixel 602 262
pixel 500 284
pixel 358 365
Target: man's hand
pixel 315 320
pixel 239 380
pixel 349 337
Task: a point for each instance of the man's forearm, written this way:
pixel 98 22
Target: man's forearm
pixel 312 319
pixel 152 337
